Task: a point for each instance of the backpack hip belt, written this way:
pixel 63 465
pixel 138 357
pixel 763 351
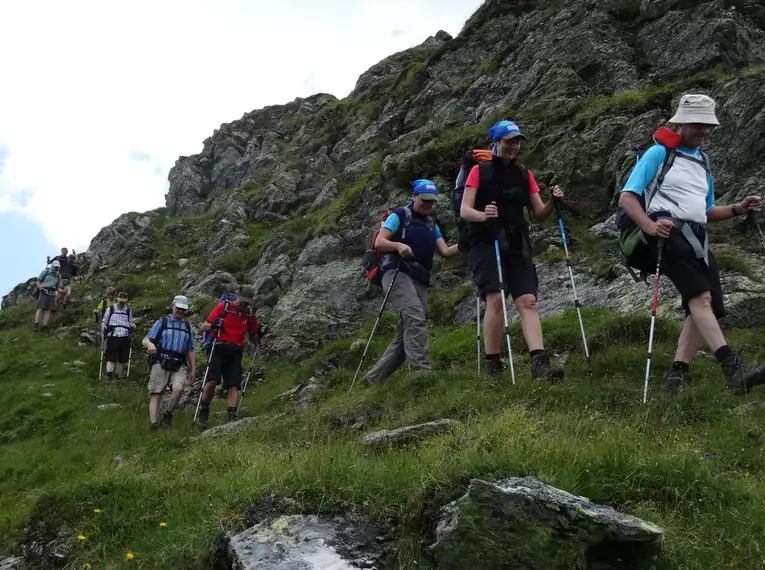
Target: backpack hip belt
pixel 686 229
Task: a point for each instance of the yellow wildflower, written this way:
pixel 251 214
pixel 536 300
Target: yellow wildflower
pixel 163 524
pixel 96 511
pixel 746 474
pixel 738 547
pixel 130 556
pixel 80 537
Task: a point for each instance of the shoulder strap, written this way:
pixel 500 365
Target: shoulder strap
pixel 653 190
pixel 109 318
pixel 485 171
pixel 406 221
pixel 226 305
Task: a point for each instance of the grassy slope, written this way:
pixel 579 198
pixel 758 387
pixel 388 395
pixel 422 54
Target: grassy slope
pixel 686 463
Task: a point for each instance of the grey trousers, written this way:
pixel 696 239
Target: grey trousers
pixel 410 299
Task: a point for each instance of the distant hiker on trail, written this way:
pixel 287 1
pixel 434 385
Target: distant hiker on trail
pixel 117 327
pixel 497 192
pixel 409 238
pixel 230 322
pixel 680 203
pixel 170 343
pixel 68 273
pixel 48 285
pixel 105 303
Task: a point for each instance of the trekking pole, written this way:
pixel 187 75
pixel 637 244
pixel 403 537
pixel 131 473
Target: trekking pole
pixel 247 379
pixel 504 309
pixel 204 379
pixel 478 330
pixel 753 221
pixel 374 328
pixel 130 356
pixel 101 361
pixel 653 319
pixel 577 304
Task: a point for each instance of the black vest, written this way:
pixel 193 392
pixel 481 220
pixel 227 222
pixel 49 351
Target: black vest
pixel 420 236
pixel 508 186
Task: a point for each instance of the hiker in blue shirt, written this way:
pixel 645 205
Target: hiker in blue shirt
pixel 170 344
pixel 409 238
pixel 679 206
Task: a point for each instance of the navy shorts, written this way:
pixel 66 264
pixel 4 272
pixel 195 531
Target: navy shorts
pixel 518 272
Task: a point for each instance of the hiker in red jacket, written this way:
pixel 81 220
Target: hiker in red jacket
pixel 230 322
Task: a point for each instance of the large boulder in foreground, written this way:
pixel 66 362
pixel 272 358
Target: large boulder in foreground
pixel 521 523
pixel 308 542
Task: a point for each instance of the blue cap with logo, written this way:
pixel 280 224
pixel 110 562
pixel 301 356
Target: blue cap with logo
pixel 425 189
pixel 503 129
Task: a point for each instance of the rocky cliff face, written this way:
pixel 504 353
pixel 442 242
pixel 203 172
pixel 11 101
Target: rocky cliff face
pixel 286 197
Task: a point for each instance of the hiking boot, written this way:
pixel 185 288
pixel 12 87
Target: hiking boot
pixel 167 419
pixel 36 327
pixel 232 415
pixel 740 376
pixel 495 368
pixel 541 369
pixel 204 414
pixel 110 376
pixel 153 426
pixel 675 379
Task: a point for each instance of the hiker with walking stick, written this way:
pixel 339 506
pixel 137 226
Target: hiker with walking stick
pixel 670 196
pixel 170 344
pixel 409 238
pixel 232 322
pixel 497 192
pixel 117 327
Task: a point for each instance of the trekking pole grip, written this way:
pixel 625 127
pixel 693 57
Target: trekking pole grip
pixel 557 203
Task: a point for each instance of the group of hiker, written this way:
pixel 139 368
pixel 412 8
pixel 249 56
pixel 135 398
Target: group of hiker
pixel 664 206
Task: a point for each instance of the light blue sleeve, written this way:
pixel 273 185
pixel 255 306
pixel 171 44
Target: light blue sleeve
pixel 437 232
pixel 392 223
pixel 154 331
pixel 710 192
pixel 645 170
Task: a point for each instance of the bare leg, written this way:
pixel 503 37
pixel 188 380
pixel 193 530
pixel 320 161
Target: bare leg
pixel 175 396
pixel 706 322
pixel 208 392
pixel 46 318
pixel 688 343
pixel 156 399
pixel 530 323
pixel 493 323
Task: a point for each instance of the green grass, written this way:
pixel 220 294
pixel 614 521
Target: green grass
pixel 729 261
pixel 685 463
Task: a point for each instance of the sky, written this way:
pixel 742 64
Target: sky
pixel 98 99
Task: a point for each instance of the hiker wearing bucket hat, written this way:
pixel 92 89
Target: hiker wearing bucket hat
pixel 230 323
pixel 497 193
pixel 670 196
pixel 48 285
pixel 409 239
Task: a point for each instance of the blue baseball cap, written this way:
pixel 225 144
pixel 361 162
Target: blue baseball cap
pixel 504 129
pixel 425 189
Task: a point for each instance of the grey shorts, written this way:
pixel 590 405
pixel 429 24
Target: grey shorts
pixel 46 302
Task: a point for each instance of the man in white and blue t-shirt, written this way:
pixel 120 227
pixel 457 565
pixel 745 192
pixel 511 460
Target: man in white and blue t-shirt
pixel 677 212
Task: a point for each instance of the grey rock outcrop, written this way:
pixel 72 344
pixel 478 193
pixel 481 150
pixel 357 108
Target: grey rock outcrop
pixel 11 563
pixel 229 428
pixel 307 542
pixel 523 523
pixel 406 434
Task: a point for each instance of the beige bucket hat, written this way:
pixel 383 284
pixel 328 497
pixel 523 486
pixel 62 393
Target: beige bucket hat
pixel 695 108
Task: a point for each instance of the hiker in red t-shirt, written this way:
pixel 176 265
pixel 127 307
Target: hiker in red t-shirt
pixel 230 322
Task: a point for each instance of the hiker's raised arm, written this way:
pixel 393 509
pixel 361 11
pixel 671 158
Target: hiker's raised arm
pixel 541 210
pixel 445 250
pixel 468 211
pixel 385 244
pixel 719 213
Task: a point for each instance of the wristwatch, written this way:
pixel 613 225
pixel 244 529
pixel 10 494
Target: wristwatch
pixel 733 210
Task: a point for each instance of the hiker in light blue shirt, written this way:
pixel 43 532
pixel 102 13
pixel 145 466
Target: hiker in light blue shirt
pixel 48 285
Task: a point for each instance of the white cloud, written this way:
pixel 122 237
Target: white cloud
pixel 99 99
